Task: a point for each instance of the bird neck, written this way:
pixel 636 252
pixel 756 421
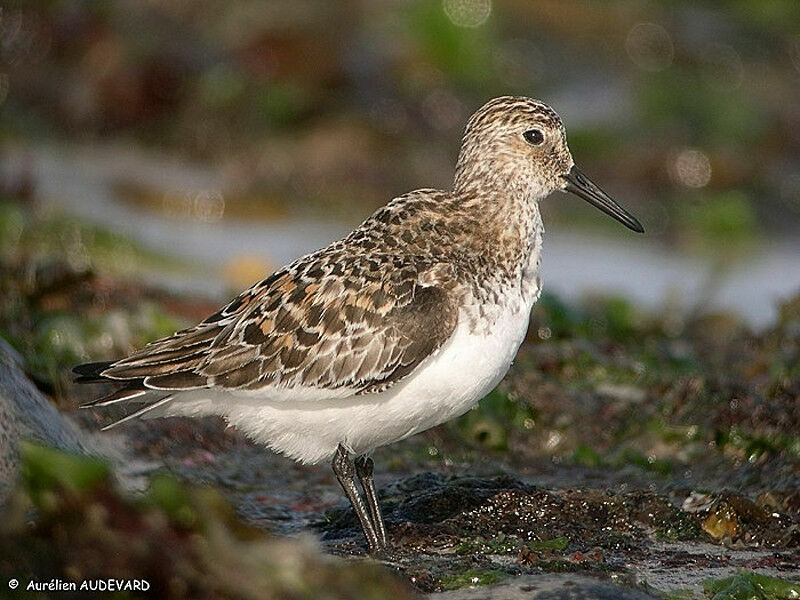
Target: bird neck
pixel 508 222
pixel 499 190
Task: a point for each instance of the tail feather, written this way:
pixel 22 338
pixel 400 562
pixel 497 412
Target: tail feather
pixel 141 412
pixel 120 395
pixel 132 390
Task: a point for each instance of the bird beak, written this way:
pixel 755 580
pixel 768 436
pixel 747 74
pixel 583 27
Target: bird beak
pixel 582 186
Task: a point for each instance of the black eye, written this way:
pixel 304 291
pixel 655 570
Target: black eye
pixel 533 136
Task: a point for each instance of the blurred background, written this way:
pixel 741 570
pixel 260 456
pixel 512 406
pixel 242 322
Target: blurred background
pixel 240 134
pixel 159 156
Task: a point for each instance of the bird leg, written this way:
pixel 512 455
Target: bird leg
pixel 345 473
pixel 364 467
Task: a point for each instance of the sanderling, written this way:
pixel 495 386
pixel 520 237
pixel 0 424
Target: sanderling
pixel 404 324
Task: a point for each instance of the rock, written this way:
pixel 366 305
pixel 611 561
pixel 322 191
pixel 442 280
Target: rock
pixel 25 414
pixel 546 587
pixel 424 498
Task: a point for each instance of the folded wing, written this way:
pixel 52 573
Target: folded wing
pixel 360 325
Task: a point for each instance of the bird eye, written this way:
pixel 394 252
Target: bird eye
pixel 533 136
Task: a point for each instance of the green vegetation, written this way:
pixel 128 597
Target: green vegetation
pixel 688 92
pixel 37 236
pixel 603 385
pixel 747 585
pixel 559 543
pixel 680 594
pixel 66 520
pixel 499 544
pixel 464 53
pixel 47 471
pixel 473 578
pixel 60 301
pixel 722 219
pixel 57 340
pixel 489 424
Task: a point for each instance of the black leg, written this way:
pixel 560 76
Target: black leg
pixel 364 467
pixel 345 473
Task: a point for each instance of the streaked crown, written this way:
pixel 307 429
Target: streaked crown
pixel 516 144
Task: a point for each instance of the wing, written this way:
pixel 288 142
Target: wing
pixel 323 322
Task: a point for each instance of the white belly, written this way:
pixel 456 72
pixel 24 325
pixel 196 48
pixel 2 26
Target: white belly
pixel 446 385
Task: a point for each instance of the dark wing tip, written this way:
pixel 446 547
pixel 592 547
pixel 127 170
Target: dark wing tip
pixel 91 372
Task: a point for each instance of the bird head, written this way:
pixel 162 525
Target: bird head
pixel 518 145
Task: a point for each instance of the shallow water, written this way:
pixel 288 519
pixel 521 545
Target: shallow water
pixel 82 181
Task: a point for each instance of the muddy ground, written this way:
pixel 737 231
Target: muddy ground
pixel 625 455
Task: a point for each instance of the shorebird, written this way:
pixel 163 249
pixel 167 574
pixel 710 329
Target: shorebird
pixel 402 325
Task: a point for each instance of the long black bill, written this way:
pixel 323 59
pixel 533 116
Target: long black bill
pixel 582 186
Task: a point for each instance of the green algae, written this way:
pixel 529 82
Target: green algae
pixel 754 446
pixel 489 424
pixel 587 457
pixel 747 585
pixel 499 544
pixel 706 393
pixel 472 578
pixel 723 220
pixel 744 585
pixel 559 543
pixel 46 469
pixel 55 341
pixel 600 316
pixel 679 594
pixel 648 463
pixel 171 496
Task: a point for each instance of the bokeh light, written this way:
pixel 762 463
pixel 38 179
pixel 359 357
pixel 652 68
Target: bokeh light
pixel 467 13
pixel 209 206
pixel 691 168
pixel 650 47
pixel 206 206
